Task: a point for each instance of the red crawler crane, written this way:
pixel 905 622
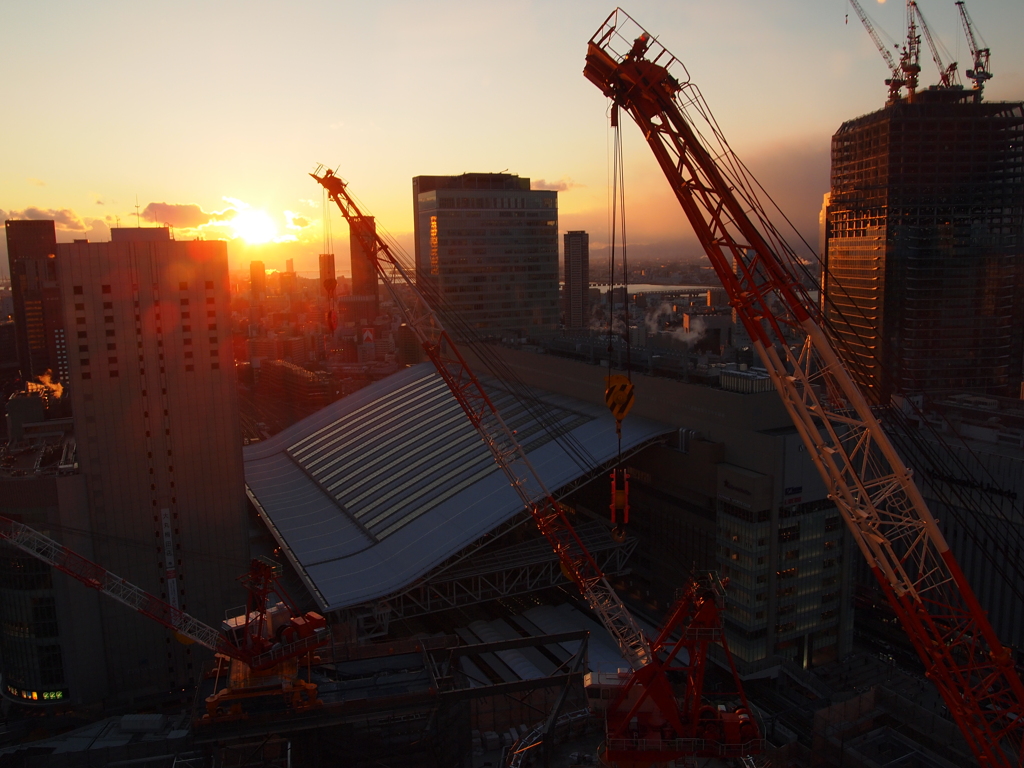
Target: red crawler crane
pixel 867 480
pixel 261 639
pixel 648 723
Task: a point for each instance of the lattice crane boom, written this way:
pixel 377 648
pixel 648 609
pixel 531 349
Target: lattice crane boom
pixel 865 477
pixel 981 72
pixel 896 80
pixel 95 576
pixel 577 563
pixel 947 72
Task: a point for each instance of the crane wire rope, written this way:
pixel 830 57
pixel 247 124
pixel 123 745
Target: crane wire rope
pixel 1001 548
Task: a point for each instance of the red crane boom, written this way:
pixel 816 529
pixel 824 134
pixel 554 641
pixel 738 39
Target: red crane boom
pixel 303 633
pixel 646 723
pixel 865 477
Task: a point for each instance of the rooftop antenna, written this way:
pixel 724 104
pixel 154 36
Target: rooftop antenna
pixel 138 223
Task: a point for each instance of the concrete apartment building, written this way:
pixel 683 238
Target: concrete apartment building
pixel 488 246
pixel 156 422
pixel 576 290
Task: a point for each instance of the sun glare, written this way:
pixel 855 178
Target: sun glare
pixel 255 227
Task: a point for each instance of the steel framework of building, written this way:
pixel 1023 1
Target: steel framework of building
pixel 476 578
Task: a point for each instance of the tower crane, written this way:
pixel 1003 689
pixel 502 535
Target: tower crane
pixel 947 73
pixel 905 72
pixel 263 638
pixel 646 722
pixel 980 73
pixel 867 480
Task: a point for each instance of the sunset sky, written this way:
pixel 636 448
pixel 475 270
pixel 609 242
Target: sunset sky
pixel 212 114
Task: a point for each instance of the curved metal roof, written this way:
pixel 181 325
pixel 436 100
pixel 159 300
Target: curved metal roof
pixel 376 489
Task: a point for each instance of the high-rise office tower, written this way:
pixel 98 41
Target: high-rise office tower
pixel 38 317
pixel 257 280
pixel 159 446
pixel 924 242
pixel 488 245
pixel 576 293
pixel 365 300
pixel 289 280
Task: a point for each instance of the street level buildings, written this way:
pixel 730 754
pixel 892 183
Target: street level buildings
pixel 487 247
pixel 924 245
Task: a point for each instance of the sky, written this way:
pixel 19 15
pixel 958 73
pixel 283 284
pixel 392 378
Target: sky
pixel 209 116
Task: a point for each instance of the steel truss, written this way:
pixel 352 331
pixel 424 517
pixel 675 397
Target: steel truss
pixel 489 575
pixel 872 488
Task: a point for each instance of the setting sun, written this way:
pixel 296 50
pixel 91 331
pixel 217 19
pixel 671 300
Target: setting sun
pixel 255 227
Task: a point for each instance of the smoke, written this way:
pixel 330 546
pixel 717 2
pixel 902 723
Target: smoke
pixel 659 320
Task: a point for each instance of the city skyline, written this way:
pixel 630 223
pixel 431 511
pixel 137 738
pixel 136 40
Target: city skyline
pixel 219 144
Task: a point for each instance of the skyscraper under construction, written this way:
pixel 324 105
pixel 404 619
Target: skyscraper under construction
pixel 924 245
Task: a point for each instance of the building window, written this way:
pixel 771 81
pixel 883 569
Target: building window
pixel 190 367
pixel 105 288
pixel 183 286
pixel 77 290
pixel 209 283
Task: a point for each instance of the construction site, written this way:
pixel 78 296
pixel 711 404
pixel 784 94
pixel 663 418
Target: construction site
pixel 570 552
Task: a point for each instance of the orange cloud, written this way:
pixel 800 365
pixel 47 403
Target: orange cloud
pixel 65 218
pixel 184 215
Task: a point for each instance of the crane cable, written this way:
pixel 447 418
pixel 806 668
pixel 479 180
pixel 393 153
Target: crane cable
pixel 619 395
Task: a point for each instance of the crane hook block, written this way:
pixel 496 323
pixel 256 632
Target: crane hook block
pixel 618 396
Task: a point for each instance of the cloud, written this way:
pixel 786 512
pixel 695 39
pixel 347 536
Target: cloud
pixel 184 215
pixel 65 218
pixel 562 185
pixel 295 220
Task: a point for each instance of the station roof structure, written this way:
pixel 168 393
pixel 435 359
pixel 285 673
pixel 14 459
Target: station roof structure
pixel 376 489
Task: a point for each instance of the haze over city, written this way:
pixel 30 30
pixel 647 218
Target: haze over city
pixel 209 117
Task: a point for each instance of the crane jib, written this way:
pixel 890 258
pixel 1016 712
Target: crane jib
pixel 883 508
